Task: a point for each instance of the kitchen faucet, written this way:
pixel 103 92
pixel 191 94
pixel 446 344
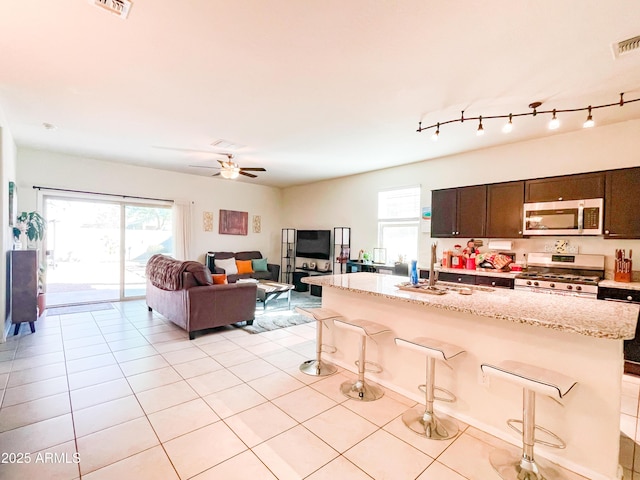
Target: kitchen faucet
pixel 433 274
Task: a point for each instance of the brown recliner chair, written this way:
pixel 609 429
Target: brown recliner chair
pixel 183 292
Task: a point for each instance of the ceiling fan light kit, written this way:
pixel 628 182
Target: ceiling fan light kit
pixel 230 169
pixel 553 124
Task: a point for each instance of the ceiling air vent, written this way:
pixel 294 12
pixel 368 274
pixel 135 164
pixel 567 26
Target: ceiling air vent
pixel 626 46
pixel 119 7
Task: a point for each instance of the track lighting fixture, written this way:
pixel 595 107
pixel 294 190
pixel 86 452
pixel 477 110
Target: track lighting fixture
pixel 554 123
pixel 480 130
pixel 589 121
pixel 508 127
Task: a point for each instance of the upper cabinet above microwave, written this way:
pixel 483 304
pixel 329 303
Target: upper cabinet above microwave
pixel 569 187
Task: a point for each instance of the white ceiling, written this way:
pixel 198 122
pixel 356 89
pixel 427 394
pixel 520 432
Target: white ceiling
pixel 312 89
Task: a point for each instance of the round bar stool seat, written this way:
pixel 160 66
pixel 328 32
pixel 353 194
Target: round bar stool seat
pixel 318 367
pixel 426 423
pixel 533 380
pixel 362 389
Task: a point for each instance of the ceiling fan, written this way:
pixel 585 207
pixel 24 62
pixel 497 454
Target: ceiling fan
pixel 230 169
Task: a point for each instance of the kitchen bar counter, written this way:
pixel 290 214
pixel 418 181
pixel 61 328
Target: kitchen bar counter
pixel 580 337
pixel 583 316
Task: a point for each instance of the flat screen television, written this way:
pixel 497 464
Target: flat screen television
pixel 313 244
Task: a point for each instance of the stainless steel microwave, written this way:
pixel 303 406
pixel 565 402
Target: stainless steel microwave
pixel 568 217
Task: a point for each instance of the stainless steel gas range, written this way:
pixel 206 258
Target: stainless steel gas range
pixel 563 274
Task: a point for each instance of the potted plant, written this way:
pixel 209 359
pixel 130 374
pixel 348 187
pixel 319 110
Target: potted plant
pixel 32 224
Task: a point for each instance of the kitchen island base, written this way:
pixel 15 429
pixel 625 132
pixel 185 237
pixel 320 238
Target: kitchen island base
pixel 588 420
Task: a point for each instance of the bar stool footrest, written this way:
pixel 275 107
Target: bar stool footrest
pixel 377 368
pixel 451 396
pixel 328 348
pixel 560 443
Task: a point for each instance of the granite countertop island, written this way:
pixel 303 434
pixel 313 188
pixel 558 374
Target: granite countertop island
pixel 590 317
pixel 580 337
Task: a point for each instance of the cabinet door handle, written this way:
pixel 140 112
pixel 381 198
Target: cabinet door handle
pixel 460 280
pixel 607 232
pixel 629 298
pixel 519 232
pixel 493 284
pixel 453 233
pixel 559 198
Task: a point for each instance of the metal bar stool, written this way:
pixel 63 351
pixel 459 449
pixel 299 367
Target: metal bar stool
pixel 360 389
pixel 533 380
pixel 317 367
pixel 427 423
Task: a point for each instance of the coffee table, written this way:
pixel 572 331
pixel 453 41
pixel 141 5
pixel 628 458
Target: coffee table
pixel 268 291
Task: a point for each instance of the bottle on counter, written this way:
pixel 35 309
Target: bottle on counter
pixel 457 260
pixel 413 272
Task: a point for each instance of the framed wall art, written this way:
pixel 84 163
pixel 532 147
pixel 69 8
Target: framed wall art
pixel 233 222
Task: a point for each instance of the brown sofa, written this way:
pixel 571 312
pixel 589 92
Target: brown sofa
pixel 182 292
pixel 272 274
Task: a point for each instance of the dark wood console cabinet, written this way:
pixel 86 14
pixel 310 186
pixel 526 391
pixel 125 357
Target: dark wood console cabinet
pixel 23 267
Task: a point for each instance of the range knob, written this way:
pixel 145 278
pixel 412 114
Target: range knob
pixel 535 284
pixel 528 282
pixel 578 287
pixel 569 287
pixel 552 285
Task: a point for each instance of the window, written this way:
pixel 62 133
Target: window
pixel 398 223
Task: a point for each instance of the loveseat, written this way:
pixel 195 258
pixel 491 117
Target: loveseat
pixel 183 292
pixel 261 270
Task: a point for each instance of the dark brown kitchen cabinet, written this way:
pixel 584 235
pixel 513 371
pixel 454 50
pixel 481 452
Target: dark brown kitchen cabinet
pixel 459 212
pixel 622 204
pixel 504 209
pixel 444 213
pixel 569 187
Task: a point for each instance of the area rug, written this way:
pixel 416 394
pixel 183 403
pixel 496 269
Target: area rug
pixel 277 315
pixel 92 307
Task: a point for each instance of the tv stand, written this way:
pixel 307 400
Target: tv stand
pixel 315 290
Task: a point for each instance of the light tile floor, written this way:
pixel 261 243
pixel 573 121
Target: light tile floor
pixel 127 392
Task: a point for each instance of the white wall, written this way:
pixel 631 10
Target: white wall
pixel 352 201
pixel 7 174
pixel 47 169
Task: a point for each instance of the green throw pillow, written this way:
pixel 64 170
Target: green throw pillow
pixel 259 265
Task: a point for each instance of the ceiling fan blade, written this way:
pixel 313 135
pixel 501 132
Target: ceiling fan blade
pixel 250 175
pixel 257 169
pixel 202 166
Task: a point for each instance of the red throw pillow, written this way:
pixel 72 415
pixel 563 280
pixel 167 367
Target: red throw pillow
pixel 244 266
pixel 219 278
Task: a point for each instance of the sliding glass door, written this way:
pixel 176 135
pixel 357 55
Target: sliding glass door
pixel 147 231
pixel 97 250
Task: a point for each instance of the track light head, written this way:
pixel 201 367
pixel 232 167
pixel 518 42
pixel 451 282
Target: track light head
pixel 508 127
pixel 436 134
pixel 480 130
pixel 554 123
pixel 589 123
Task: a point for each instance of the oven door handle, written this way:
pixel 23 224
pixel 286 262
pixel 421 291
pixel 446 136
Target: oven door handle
pixel 581 216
